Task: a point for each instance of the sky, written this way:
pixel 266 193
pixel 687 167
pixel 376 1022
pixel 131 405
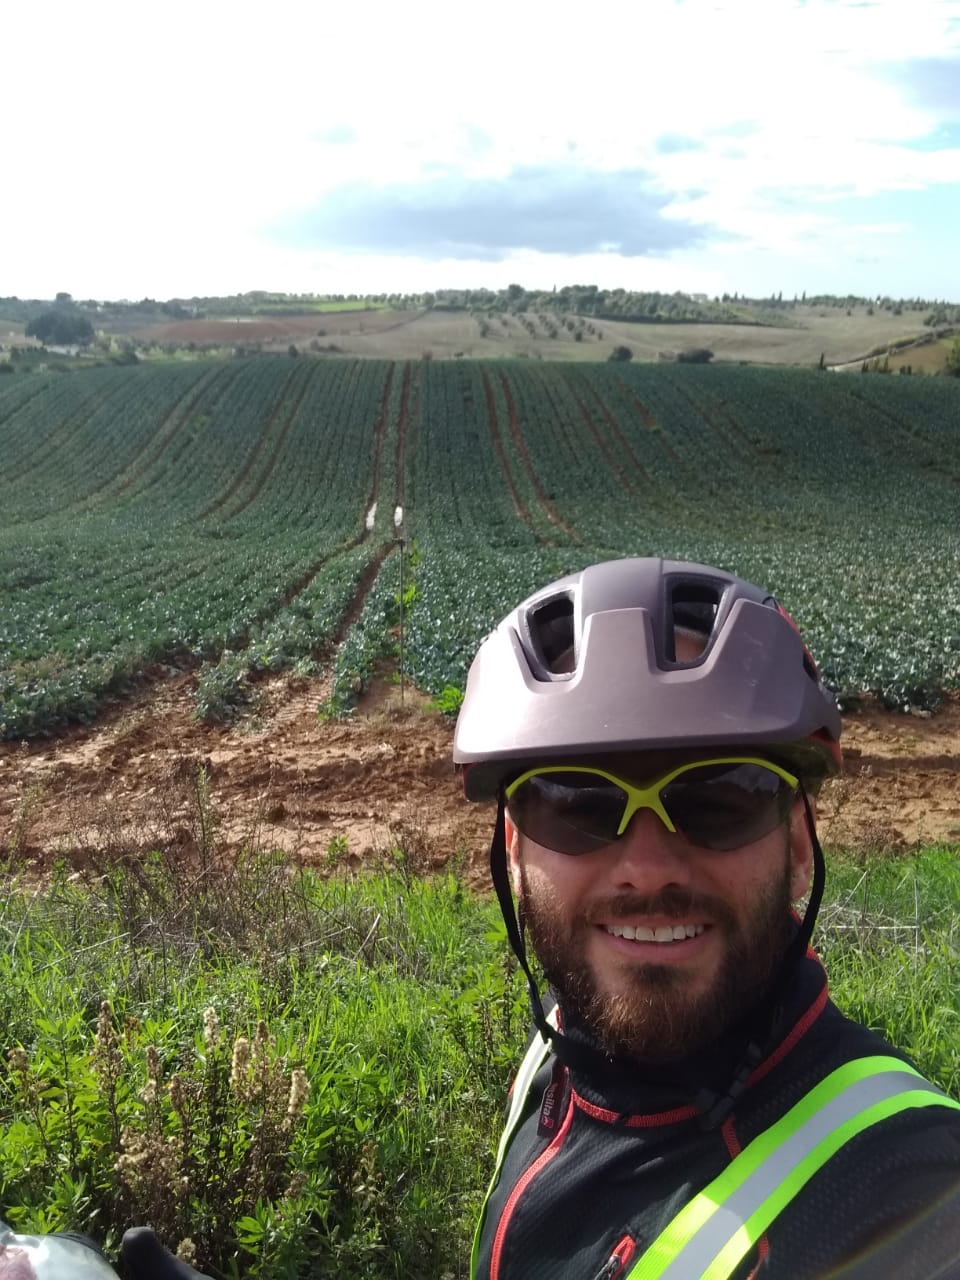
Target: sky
pixel 757 147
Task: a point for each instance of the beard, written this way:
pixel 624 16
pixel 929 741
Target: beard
pixel 654 1017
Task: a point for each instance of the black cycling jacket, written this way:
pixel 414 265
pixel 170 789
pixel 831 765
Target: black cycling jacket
pixel 601 1164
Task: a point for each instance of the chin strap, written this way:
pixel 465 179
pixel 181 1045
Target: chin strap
pixel 713 1107
pixel 581 1057
pixel 500 874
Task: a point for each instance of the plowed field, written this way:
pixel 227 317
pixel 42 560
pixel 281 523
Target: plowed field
pixel 348 793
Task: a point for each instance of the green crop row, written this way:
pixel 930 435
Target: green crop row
pixel 225 512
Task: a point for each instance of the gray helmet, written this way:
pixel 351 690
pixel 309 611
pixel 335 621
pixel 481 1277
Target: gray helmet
pixel 589 665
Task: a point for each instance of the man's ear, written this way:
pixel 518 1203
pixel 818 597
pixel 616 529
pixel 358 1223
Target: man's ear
pixel 513 852
pixel 801 849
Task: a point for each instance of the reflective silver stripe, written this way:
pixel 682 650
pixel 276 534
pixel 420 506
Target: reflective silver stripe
pixel 778 1177
pixel 536 1055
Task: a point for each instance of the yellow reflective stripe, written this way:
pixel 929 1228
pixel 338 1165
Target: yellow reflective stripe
pixel 741 1243
pixel 717 1228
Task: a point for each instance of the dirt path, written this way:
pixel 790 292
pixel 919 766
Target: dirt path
pixel 353 791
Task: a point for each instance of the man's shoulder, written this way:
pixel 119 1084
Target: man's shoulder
pixel 887 1201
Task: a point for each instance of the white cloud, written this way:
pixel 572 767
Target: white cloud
pixel 157 149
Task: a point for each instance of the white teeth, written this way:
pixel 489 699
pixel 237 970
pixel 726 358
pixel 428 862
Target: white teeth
pixel 663 933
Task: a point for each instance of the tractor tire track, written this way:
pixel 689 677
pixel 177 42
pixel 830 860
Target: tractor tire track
pixel 613 465
pixel 171 427
pixel 493 423
pixel 726 431
pixel 402 429
pixel 283 414
pixel 621 441
pixel 323 649
pixel 649 421
pixel 379 436
pixel 153 448
pixel 521 445
pixel 363 588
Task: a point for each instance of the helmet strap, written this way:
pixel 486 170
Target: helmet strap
pixel 768 1017
pixel 500 874
pixel 573 1054
pixel 801 940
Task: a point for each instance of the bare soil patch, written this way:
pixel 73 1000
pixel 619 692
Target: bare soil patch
pixel 148 775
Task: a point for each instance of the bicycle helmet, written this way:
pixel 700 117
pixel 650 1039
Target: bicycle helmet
pixel 589 665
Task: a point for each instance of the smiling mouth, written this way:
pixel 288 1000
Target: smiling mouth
pixel 663 933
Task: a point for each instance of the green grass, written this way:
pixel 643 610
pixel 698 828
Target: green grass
pixel 890 939
pixel 126 1100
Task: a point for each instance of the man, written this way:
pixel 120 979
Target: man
pixel 693 1105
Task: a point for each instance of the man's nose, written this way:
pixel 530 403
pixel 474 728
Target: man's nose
pixel 648 856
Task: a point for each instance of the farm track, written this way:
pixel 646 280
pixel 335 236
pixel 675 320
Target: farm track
pixel 612 464
pixel 521 444
pixel 498 448
pixel 719 425
pixel 285 415
pixel 402 428
pixel 621 441
pixel 369 573
pixel 174 423
pixel 123 783
pixel 650 422
pixel 379 435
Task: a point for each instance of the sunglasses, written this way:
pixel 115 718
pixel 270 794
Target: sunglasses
pixel 715 804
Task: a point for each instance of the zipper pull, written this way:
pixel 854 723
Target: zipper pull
pixel 618 1261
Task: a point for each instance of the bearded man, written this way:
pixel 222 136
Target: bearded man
pixel 692 1104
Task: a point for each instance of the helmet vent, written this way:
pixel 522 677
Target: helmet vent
pixel 552 633
pixel 693 612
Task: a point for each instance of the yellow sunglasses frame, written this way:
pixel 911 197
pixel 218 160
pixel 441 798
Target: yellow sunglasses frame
pixel 649 797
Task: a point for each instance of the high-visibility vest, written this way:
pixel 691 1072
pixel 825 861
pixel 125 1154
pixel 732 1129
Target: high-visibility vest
pixel 714 1232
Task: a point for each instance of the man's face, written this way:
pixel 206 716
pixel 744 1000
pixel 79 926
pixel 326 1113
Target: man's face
pixel 598 922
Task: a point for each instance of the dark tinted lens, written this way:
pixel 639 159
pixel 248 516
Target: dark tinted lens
pixel 725 806
pixel 572 811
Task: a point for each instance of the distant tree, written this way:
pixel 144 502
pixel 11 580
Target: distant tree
pixel 65 328
pixel 292 350
pixel 952 365
pixel 64 299
pixel 694 355
pixel 620 354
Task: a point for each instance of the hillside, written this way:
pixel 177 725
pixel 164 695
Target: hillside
pixel 804 334
pixel 578 323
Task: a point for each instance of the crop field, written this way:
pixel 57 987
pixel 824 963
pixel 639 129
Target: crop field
pixel 243 515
